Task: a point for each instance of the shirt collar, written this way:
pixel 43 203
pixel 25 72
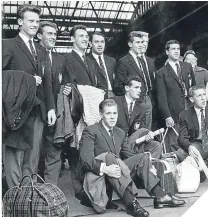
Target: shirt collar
pixel 129 100
pixel 173 64
pixel 25 38
pixel 79 53
pixel 106 128
pixel 96 56
pixel 198 111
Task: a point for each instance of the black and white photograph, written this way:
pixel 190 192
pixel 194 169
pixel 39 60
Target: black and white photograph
pixel 104 108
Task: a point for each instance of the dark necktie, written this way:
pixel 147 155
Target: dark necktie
pixel 140 64
pixel 203 131
pixel 112 136
pixel 102 65
pixel 130 109
pixel 179 73
pixel 85 61
pixel 33 52
pixel 48 59
pixel 146 73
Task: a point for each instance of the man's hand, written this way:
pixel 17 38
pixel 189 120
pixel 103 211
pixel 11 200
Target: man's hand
pixel 113 171
pixel 51 117
pixel 66 90
pixel 169 122
pixel 38 80
pixel 149 136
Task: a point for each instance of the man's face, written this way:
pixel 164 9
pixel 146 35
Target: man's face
pixel 134 90
pixel 199 98
pixel 98 44
pixel 48 37
pixel 190 58
pixel 29 24
pixel 137 46
pixel 110 116
pixel 173 52
pixel 145 45
pixel 81 39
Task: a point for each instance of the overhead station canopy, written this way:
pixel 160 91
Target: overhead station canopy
pixel 109 17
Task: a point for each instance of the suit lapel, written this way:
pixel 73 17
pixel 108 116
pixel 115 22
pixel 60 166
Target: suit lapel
pixel 25 49
pixel 134 65
pixel 78 58
pixel 125 107
pixel 108 67
pixel 135 110
pixel 194 119
pixel 171 71
pixel 107 137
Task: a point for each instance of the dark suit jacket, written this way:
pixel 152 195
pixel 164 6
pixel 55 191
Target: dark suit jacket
pixel 170 96
pixel 95 141
pixel 58 66
pixel 137 116
pixel 77 72
pixel 16 56
pixel 189 127
pixel 127 66
pixel 110 64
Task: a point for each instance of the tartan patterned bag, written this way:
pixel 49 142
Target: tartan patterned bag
pixel 164 173
pixel 35 200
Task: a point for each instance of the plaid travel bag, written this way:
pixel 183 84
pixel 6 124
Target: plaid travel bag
pixel 35 200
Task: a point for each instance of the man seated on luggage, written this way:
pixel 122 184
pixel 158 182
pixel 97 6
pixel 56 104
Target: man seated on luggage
pixel 131 117
pixel 193 123
pixel 101 146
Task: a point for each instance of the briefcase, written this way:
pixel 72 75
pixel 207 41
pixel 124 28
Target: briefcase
pixel 35 200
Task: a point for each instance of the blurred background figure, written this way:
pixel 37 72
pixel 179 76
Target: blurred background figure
pixel 201 74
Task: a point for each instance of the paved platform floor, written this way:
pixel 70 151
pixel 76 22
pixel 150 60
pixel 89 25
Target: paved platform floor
pixel 76 209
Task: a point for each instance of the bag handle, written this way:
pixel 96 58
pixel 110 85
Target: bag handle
pixel 34 174
pixel 31 181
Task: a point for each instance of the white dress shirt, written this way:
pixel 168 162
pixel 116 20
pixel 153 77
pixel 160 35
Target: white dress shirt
pixel 26 41
pixel 173 65
pixel 106 71
pixel 129 101
pixel 198 114
pixel 135 58
pixel 80 54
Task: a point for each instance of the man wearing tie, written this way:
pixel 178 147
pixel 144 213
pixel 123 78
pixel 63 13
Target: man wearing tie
pixel 131 117
pixel 47 34
pixel 193 124
pixel 133 64
pixel 102 147
pixel 22 53
pixel 106 65
pixel 172 84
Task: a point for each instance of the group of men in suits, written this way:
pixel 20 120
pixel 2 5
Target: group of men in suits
pixel 139 90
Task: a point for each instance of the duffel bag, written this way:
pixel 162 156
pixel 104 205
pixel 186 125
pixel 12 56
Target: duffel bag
pixel 164 173
pixel 35 200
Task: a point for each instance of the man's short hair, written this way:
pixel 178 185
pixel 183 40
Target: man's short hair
pixel 132 78
pixel 46 23
pixel 194 88
pixel 189 52
pixel 132 35
pixel 106 103
pixel 75 28
pixel 96 33
pixel 27 7
pixel 167 46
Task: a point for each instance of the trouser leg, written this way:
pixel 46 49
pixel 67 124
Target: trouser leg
pixel 154 147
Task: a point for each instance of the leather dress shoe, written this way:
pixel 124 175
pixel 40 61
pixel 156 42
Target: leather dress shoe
pixel 136 210
pixel 168 201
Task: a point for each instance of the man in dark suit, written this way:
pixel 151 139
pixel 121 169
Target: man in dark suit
pixel 193 124
pixel 47 34
pixel 80 69
pixel 133 64
pixel 22 53
pixel 105 64
pixel 172 83
pixel 131 116
pixel 106 138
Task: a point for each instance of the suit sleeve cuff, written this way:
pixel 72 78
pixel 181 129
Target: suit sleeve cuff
pixel 101 168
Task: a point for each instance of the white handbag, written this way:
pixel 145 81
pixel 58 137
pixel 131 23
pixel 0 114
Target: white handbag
pixel 187 176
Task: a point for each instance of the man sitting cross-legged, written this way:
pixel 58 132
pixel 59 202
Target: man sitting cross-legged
pixel 102 148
